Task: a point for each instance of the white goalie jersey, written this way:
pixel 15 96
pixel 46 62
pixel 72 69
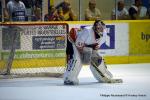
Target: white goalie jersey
pixel 87 37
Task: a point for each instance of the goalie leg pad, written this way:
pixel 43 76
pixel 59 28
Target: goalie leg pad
pixel 98 62
pixel 100 71
pixel 73 68
pixel 100 77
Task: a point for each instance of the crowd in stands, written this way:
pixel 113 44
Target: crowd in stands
pixel 62 12
pixel 16 10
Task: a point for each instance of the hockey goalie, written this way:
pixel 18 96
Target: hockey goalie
pixel 82 48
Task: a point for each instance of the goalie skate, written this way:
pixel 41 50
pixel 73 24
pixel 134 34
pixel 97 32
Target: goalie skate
pixel 68 82
pixel 115 81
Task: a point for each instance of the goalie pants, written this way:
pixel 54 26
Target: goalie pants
pixel 97 66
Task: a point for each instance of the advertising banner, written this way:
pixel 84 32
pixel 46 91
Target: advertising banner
pixel 35 41
pixel 125 40
pixel 139 38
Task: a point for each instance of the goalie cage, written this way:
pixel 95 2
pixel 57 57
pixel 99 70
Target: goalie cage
pixel 32 49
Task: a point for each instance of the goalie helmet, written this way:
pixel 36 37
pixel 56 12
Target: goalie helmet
pixel 99 27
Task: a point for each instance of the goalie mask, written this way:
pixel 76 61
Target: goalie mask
pixel 99 27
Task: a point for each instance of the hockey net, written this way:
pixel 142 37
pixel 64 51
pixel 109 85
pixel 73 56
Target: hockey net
pixel 33 49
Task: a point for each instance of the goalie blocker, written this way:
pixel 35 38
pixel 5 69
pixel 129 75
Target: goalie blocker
pixel 82 48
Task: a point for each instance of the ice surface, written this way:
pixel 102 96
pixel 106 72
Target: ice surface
pixel 135 86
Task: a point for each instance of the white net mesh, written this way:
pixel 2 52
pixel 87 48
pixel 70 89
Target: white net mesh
pixel 33 48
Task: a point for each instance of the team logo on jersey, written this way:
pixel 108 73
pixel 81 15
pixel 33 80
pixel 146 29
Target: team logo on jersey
pixel 110 39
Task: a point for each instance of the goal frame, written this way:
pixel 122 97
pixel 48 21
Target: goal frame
pixel 10 60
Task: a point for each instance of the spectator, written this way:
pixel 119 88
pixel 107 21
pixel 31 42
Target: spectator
pixel 37 12
pixel 60 14
pixel 16 10
pixel 28 3
pixel 67 12
pixel 3 14
pixel 92 13
pixel 149 12
pixel 122 12
pixel 52 14
pixel 0 11
pixel 137 11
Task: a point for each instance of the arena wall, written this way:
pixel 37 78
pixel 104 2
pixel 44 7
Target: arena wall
pixel 132 41
pixel 127 42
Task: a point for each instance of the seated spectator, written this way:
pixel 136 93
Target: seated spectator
pixel 61 16
pixel 52 14
pixel 16 10
pixel 0 12
pixel 92 13
pixel 67 12
pixel 122 12
pixel 4 16
pixel 28 3
pixel 37 12
pixel 149 12
pixel 137 11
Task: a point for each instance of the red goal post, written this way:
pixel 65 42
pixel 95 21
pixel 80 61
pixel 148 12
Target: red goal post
pixel 33 48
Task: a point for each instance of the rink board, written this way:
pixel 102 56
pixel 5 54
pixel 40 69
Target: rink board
pixel 127 42
pixel 131 46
